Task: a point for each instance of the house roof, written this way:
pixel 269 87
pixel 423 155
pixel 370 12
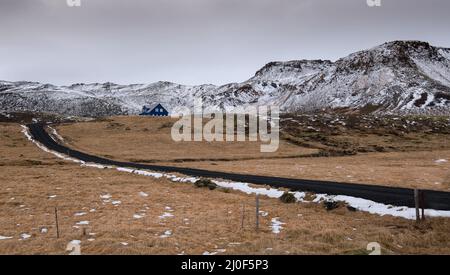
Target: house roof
pixel 153 106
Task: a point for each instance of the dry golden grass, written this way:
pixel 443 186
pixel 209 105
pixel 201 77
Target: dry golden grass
pixel 203 220
pixel 148 139
pixel 125 138
pixel 404 169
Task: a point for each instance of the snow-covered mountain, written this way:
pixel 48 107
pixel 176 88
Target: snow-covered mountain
pixel 401 77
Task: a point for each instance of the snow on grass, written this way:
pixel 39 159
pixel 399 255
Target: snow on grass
pixel 82 223
pixel 276 225
pixel 166 234
pixel 215 252
pixel 441 161
pixel 25 236
pixel 263 213
pixel 209 253
pixel 381 209
pixel 143 194
pixel 357 203
pixel 78 214
pixel 138 216
pixel 166 215
pixel 75 242
pixel 5 238
pixel 140 172
pixel 93 165
pixel 244 187
pixel 105 197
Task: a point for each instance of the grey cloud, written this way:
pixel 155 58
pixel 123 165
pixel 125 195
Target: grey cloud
pixel 197 41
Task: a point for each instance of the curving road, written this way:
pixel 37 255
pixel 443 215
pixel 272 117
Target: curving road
pixel 388 195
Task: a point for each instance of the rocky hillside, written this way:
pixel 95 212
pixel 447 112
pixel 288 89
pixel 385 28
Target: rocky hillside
pixel 401 77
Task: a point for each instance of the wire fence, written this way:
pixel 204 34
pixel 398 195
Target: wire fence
pixel 52 221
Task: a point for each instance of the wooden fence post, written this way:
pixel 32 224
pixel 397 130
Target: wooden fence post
pixel 57 224
pixel 417 204
pixel 422 203
pixel 243 216
pixel 257 212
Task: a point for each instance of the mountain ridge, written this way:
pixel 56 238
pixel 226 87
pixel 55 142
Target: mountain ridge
pixel 398 77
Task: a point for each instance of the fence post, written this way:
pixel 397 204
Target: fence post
pixel 243 216
pixel 422 203
pixel 57 224
pixel 257 212
pixel 417 204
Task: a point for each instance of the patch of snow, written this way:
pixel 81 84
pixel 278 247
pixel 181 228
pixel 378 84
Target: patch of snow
pixel 80 214
pixel 5 238
pixel 82 223
pixel 244 187
pixel 263 213
pixel 276 225
pixel 441 161
pixel 381 209
pixel 140 172
pixel 105 197
pixel 143 194
pixel 166 234
pixel 25 236
pixel 166 215
pixel 93 165
pixel 75 242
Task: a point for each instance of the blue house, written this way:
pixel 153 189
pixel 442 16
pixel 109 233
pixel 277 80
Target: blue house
pixel 158 110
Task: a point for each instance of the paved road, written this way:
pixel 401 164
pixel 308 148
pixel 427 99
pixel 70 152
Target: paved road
pixel 387 195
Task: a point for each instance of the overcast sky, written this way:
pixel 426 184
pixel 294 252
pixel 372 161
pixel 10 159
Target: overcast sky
pixel 197 41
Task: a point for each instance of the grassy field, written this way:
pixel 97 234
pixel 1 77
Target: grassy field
pixel 374 152
pixel 193 220
pixel 149 140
